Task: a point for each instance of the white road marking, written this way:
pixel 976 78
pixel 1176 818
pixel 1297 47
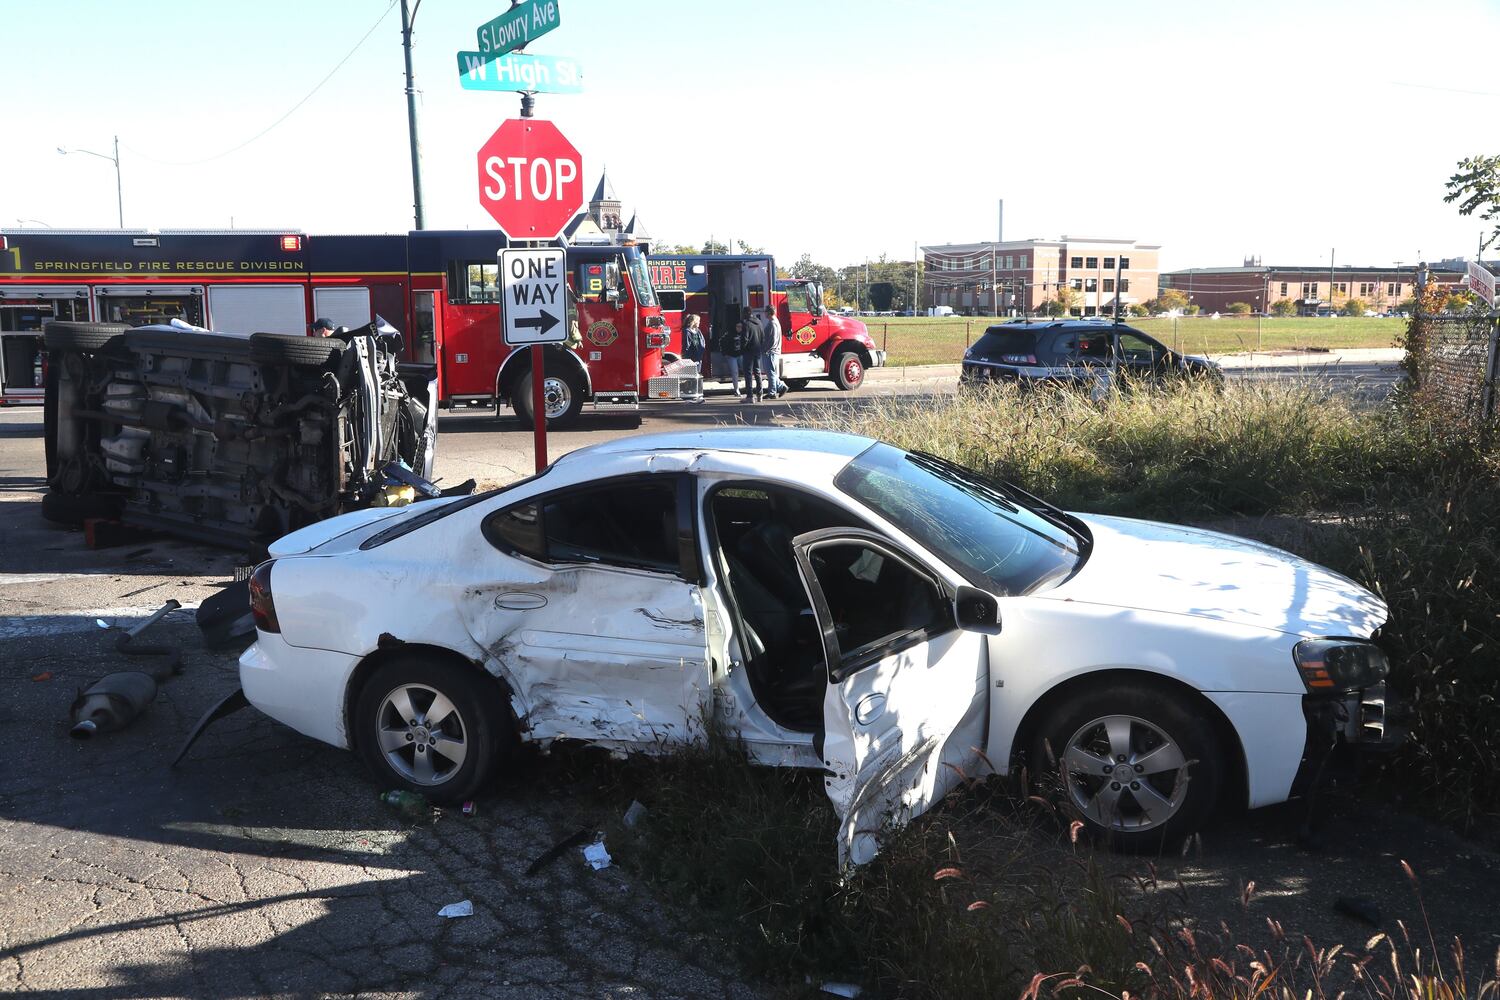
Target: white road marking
pixel 32 626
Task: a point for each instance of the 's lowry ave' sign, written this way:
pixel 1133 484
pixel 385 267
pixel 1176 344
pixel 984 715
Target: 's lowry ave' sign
pixel 530 179
pixel 520 72
pixel 532 284
pixel 522 24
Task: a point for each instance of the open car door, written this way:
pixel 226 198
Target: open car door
pixel 905 713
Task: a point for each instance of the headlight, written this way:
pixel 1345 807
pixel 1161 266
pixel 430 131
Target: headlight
pixel 1329 665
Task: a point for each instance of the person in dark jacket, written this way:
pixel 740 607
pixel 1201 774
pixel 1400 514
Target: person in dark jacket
pixel 692 338
pixel 751 337
pixel 726 348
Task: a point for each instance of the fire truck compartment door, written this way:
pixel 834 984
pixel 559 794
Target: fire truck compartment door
pixel 755 277
pixel 343 306
pixel 257 309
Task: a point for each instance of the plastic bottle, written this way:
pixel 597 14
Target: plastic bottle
pixel 412 805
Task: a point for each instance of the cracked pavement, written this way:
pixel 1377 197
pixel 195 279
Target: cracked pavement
pixel 264 865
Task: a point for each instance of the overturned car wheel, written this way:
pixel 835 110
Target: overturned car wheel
pixel 281 348
pixel 431 726
pixel 67 335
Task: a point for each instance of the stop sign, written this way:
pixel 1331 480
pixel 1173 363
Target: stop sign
pixel 530 179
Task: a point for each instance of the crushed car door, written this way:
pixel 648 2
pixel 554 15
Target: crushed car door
pixel 594 617
pixel 906 707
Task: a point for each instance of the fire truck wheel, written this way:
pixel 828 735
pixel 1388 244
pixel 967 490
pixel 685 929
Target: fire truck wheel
pixel 796 384
pixel 562 394
pixel 71 508
pixel 281 348
pixel 848 370
pixel 66 335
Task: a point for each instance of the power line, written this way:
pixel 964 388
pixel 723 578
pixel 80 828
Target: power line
pixel 235 149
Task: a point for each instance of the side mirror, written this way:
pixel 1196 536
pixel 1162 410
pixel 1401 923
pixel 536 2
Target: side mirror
pixel 977 611
pixel 612 296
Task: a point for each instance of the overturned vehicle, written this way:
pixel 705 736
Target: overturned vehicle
pixel 232 439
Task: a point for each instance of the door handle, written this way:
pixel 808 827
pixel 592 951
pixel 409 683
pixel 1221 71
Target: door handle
pixel 870 708
pixel 519 600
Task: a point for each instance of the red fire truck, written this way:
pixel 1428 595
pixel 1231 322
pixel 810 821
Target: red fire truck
pixel 439 288
pixel 716 287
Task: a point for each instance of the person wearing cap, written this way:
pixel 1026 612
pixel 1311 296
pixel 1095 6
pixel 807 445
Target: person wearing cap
pixel 322 327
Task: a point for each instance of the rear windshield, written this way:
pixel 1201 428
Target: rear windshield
pixel 998 340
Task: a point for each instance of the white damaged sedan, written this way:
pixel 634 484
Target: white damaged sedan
pixel 889 618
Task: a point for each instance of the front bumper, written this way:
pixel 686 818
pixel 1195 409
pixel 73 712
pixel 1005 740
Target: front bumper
pixel 1341 726
pixel 877 358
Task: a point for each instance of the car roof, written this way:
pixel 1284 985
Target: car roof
pixel 1060 324
pixel 787 443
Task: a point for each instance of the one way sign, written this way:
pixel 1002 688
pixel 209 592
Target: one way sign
pixel 533 286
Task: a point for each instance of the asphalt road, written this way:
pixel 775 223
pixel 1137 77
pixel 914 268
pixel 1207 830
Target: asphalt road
pixel 265 866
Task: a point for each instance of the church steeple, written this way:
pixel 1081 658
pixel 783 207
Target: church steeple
pixel 604 207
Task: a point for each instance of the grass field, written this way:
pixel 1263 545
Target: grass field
pixel 932 341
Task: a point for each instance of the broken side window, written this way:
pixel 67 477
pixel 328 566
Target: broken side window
pixel 629 523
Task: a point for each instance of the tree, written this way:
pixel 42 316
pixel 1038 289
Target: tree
pixel 713 246
pixel 1061 302
pixel 1354 307
pixel 1476 187
pixel 1171 299
pixel 1238 308
pixel 1136 309
pixel 1191 310
pixel 1283 307
pixel 747 248
pixel 1460 301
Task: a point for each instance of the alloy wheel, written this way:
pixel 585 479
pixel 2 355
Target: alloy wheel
pixel 1125 773
pixel 421 734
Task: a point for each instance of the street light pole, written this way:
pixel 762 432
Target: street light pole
pixel 411 110
pixel 119 184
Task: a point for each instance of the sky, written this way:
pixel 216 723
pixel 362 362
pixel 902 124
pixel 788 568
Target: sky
pixel 843 129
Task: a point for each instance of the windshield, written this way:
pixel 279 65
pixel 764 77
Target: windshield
pixel 996 543
pixel 640 277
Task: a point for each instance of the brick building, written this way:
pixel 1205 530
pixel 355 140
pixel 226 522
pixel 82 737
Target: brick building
pixel 1020 276
pixel 1312 290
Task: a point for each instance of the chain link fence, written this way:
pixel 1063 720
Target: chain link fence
pixel 1451 361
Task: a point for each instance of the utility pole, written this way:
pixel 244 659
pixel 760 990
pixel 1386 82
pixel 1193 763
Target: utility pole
pixel 119 184
pixel 411 110
pixel 1119 270
pixel 994 286
pixel 1331 252
pixel 915 267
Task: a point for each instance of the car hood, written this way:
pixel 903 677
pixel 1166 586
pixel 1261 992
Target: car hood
pixel 1151 566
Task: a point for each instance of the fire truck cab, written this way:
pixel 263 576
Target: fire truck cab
pixel 718 287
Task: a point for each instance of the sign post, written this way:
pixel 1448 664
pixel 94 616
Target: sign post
pixel 533 292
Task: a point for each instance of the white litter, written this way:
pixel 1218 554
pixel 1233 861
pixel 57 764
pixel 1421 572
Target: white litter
pixel 634 814
pixel 596 856
pixel 464 908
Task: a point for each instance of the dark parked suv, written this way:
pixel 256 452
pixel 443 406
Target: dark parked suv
pixel 1074 352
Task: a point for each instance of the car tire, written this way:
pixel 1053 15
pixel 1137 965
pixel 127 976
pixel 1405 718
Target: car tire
pixel 282 348
pixel 91 338
pixel 564 386
pixel 1151 726
pixel 478 730
pixel 796 384
pixel 74 509
pixel 848 370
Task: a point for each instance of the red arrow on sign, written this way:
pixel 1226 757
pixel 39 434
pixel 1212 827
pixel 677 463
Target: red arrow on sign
pixel 530 179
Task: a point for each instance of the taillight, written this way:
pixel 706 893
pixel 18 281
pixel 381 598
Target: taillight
pixel 262 607
pixel 1018 359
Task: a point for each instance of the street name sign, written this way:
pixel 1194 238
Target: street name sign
pixel 517 71
pixel 518 27
pixel 530 179
pixel 533 291
pixel 1482 283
